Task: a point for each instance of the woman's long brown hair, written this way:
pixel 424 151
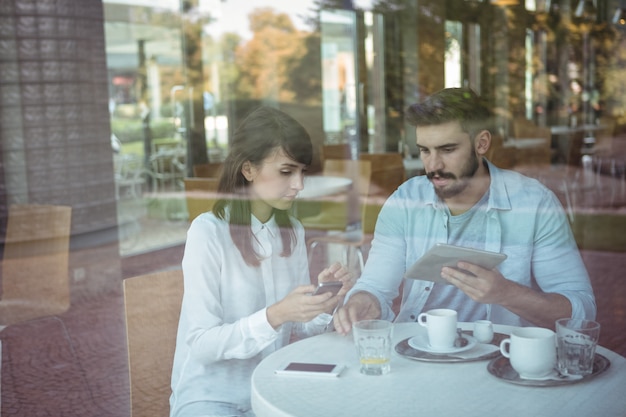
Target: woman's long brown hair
pixel 261 132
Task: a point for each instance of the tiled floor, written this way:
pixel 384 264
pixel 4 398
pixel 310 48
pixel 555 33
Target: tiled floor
pixel 76 364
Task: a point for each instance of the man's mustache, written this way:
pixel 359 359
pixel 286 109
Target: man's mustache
pixel 441 174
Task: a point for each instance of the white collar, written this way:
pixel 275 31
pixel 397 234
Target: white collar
pixel 270 226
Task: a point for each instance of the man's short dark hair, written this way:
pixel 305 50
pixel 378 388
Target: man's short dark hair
pixel 450 105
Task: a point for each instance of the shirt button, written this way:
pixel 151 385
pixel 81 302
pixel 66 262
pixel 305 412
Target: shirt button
pixel 427 289
pixel 412 316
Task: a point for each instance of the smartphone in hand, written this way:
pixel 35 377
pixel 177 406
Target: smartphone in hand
pixel 330 286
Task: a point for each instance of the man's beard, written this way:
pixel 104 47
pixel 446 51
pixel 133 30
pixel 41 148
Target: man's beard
pixel 467 172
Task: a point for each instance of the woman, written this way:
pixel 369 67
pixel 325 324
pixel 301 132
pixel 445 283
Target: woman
pixel 247 285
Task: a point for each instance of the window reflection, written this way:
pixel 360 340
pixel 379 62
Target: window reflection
pixel 107 106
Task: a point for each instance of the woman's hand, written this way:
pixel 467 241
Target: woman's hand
pixel 300 306
pixel 336 272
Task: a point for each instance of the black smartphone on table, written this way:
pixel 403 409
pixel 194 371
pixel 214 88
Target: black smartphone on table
pixel 311 369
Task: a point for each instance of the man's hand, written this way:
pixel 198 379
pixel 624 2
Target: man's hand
pixel 361 306
pixel 490 287
pixel 484 286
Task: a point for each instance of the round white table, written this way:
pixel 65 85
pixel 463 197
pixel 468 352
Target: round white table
pixel 322 185
pixel 415 388
pixel 413 167
pixel 566 130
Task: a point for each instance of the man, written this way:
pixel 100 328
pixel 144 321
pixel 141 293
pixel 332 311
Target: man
pixel 465 200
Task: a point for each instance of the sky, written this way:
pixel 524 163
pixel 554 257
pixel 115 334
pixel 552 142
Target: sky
pixel 233 14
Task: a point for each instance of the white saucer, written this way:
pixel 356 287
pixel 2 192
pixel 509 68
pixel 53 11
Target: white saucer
pixel 420 342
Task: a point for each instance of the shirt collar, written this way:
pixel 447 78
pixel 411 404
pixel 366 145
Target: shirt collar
pixel 257 227
pixel 498 194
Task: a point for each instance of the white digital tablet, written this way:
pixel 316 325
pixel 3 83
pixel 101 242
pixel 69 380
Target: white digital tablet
pixel 428 267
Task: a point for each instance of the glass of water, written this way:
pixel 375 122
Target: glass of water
pixel 576 345
pixel 373 339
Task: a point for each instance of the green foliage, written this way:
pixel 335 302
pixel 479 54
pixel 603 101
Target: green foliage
pixel 305 72
pixel 131 130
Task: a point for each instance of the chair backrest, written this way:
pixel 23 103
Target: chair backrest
pixel 152 309
pixel 200 195
pixel 338 215
pixel 35 263
pixel 209 170
pixel 540 154
pixel 341 151
pixel 500 156
pixel 359 171
pixel 523 128
pixel 387 172
pixel 604 136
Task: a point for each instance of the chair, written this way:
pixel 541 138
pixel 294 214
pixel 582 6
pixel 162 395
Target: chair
pixel 532 143
pixel 152 308
pixel 603 141
pixel 35 279
pixel 340 151
pixel 351 240
pixel 167 169
pixel 129 175
pixel 387 172
pixel 334 216
pixel 208 170
pixel 200 195
pixel 576 149
pixel 500 155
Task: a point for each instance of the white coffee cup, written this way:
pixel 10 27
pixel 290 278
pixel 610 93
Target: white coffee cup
pixel 441 325
pixel 532 351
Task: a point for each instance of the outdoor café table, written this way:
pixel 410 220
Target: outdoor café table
pixel 417 388
pixel 318 188
pixel 323 185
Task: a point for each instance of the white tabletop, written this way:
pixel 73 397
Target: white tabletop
pixel 322 185
pixel 523 143
pixel 415 388
pixel 413 164
pixel 564 129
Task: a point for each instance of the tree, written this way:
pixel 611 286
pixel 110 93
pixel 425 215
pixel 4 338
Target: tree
pixel 304 71
pixel 263 61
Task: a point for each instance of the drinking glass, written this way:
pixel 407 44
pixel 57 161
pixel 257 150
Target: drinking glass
pixel 576 345
pixel 372 339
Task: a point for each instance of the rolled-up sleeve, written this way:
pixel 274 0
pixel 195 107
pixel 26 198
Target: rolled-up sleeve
pixel 557 265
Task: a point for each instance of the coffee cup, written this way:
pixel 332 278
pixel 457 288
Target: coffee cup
pixel 531 351
pixel 441 326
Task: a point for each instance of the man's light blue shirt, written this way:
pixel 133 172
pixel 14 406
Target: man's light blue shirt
pixel 525 221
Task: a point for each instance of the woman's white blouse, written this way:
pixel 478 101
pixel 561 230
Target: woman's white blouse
pixel 223 330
